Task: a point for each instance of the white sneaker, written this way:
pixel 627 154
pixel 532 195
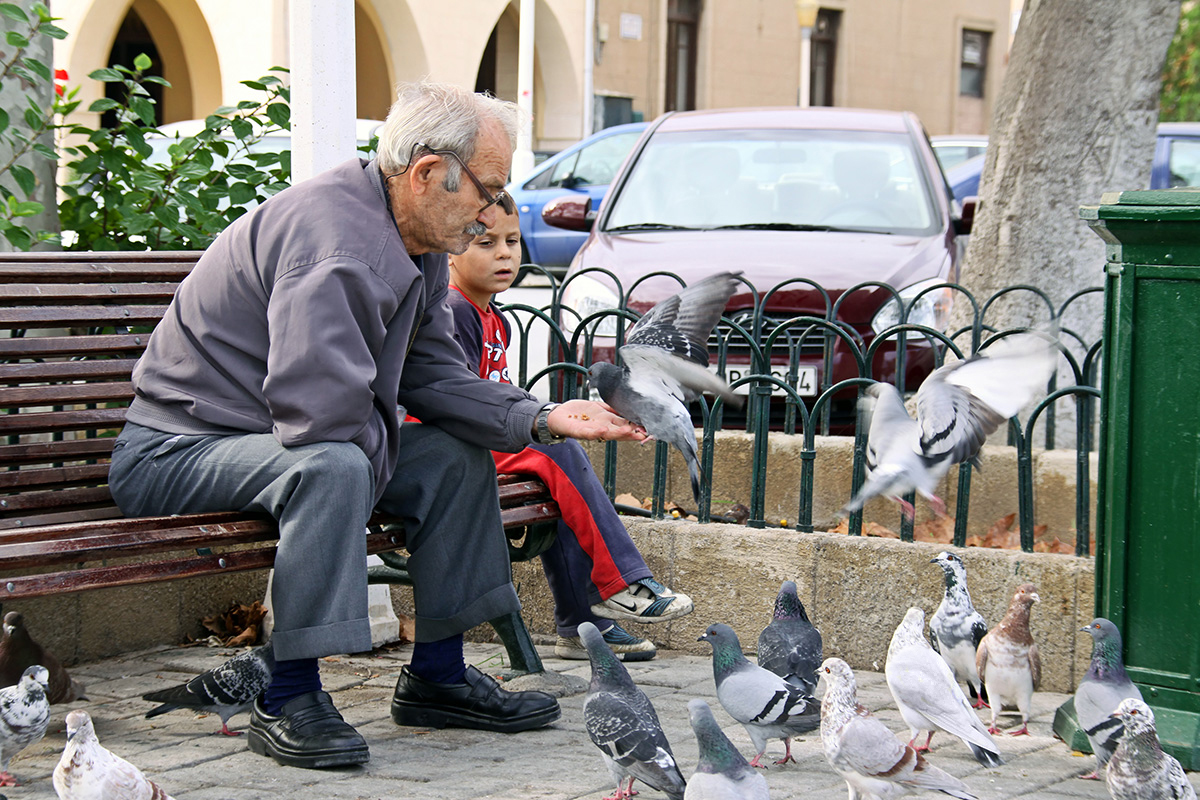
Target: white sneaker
pixel 646 600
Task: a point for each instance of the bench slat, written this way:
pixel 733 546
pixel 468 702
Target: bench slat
pixel 65 394
pixel 59 421
pixel 21 294
pixel 77 475
pixel 50 346
pixel 52 452
pixel 50 317
pixel 90 369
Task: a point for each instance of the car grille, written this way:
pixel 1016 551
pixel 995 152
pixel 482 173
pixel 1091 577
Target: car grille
pixel 738 348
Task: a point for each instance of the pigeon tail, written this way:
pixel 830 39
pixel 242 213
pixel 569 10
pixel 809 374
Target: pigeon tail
pixel 989 758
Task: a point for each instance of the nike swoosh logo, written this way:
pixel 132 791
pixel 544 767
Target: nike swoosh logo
pixel 627 607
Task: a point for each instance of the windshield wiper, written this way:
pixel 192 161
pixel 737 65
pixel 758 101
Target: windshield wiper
pixel 775 226
pixel 649 226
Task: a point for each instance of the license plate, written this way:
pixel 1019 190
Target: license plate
pixel 805 385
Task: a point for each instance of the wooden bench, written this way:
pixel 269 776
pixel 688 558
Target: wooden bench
pixel 72 326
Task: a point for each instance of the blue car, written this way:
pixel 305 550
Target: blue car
pixel 1176 162
pixel 584 169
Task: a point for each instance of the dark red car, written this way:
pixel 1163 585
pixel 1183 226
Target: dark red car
pixel 834 197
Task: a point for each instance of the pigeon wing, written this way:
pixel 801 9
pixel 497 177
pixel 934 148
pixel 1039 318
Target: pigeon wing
pixel 979 629
pixel 626 729
pixel 923 682
pixel 889 421
pixel 867 747
pixel 1035 665
pixel 682 323
pixel 686 377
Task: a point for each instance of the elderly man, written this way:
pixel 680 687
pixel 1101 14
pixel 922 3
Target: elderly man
pixel 272 385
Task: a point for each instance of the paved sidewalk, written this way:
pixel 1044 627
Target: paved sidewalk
pixel 187 758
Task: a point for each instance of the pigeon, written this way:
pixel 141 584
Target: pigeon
pixel 1008 660
pixel 956 628
pixel 927 694
pixel 1100 692
pixel 24 717
pixel 666 366
pixel 225 690
pixel 767 706
pixel 87 771
pixel 621 721
pixel 18 652
pixel 958 406
pixel 722 773
pixel 869 757
pixel 790 646
pixel 1139 769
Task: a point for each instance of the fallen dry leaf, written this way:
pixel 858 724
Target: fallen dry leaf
pixel 868 529
pixel 628 500
pixel 1056 545
pixel 939 530
pixel 238 625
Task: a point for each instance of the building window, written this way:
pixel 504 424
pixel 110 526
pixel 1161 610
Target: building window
pixel 824 56
pixel 973 70
pixel 683 26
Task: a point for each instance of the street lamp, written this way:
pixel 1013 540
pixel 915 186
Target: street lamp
pixel 806 13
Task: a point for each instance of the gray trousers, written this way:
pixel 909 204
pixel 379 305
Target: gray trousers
pixel 443 488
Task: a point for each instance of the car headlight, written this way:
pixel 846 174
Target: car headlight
pixel 931 309
pixel 586 296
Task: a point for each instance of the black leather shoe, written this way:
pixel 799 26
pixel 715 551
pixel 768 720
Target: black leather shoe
pixel 477 703
pixel 310 733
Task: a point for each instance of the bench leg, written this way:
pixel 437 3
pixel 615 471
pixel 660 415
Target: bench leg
pixel 522 655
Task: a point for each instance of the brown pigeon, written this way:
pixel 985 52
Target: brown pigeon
pixel 1008 661
pixel 19 651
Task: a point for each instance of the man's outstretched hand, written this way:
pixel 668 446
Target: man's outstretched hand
pixel 587 419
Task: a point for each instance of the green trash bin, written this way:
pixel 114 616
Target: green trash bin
pixel 1148 501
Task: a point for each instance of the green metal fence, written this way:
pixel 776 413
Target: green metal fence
pixel 753 343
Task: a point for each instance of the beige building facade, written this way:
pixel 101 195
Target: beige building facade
pixel 942 59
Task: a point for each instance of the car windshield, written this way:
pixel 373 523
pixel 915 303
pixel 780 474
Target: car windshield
pixel 776 180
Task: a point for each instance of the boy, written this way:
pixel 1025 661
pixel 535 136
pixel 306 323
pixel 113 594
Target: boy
pixel 594 570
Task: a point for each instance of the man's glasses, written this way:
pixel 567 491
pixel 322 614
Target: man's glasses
pixel 501 198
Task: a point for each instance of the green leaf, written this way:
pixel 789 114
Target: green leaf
pixel 245 105
pixel 106 75
pixel 155 79
pixel 142 62
pixel 17 40
pixel 44 151
pixel 255 85
pixel 143 109
pixel 280 114
pixel 19 238
pixel 13 11
pixel 3 120
pixel 241 193
pixel 28 208
pixel 53 31
pixel 241 128
pixel 33 120
pixel 24 178
pixel 219 113
pixel 36 66
pixel 103 104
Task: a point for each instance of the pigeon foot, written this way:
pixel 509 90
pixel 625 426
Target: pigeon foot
pixel 226 732
pixel 1094 775
pixel 1022 731
pixel 994 730
pixel 906 508
pixel 978 703
pixel 939 505
pixel 7 779
pixel 754 761
pixel 786 759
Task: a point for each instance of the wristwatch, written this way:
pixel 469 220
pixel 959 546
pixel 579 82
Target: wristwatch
pixel 541 426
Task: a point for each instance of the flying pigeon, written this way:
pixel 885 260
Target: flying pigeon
pixel 956 628
pixel 790 646
pixel 24 717
pixel 767 706
pixel 958 406
pixel 621 721
pixel 1008 660
pixel 225 690
pixel 927 694
pixel 1139 769
pixel 666 366
pixel 87 771
pixel 869 757
pixel 18 652
pixel 722 773
pixel 1100 692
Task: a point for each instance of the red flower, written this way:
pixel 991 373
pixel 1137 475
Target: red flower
pixel 60 81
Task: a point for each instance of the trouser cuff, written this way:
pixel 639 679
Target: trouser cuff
pixel 350 636
pixel 498 602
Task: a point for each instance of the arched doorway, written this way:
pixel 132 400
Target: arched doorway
pixel 372 67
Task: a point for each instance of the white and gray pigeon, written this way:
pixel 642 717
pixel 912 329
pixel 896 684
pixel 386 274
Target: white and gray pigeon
pixel 927 694
pixel 956 628
pixel 88 771
pixel 767 706
pixel 790 646
pixel 621 721
pixel 958 406
pixel 666 366
pixel 225 690
pixel 722 773
pixel 1101 690
pixel 1139 769
pixel 24 716
pixel 1008 661
pixel 868 756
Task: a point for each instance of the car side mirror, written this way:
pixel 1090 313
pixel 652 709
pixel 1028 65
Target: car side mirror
pixel 572 213
pixel 966 219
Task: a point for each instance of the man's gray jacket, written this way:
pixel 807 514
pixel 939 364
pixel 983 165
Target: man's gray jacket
pixel 308 319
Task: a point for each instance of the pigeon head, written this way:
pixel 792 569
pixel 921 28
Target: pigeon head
pixel 604 377
pixel 1135 715
pixel 717 753
pixel 952 565
pixel 838 677
pixel 1101 630
pixel 1107 660
pixel 910 631
pixel 606 669
pixel 13 622
pixel 79 722
pixel 36 675
pixel 1026 595
pixel 727 650
pixel 787 604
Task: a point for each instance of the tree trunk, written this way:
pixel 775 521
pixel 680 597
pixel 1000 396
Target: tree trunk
pixel 1075 118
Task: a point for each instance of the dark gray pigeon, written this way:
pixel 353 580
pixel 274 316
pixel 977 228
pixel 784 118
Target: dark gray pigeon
pixel 767 706
pixel 956 628
pixel 666 366
pixel 958 406
pixel 1102 689
pixel 19 652
pixel 790 646
pixel 722 773
pixel 621 721
pixel 1139 769
pixel 225 690
pixel 24 717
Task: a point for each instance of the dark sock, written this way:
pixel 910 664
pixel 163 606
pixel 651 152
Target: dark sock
pixel 291 679
pixel 440 661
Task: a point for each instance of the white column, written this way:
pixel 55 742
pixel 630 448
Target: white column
pixel 522 162
pixel 805 66
pixel 589 68
pixel 321 34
